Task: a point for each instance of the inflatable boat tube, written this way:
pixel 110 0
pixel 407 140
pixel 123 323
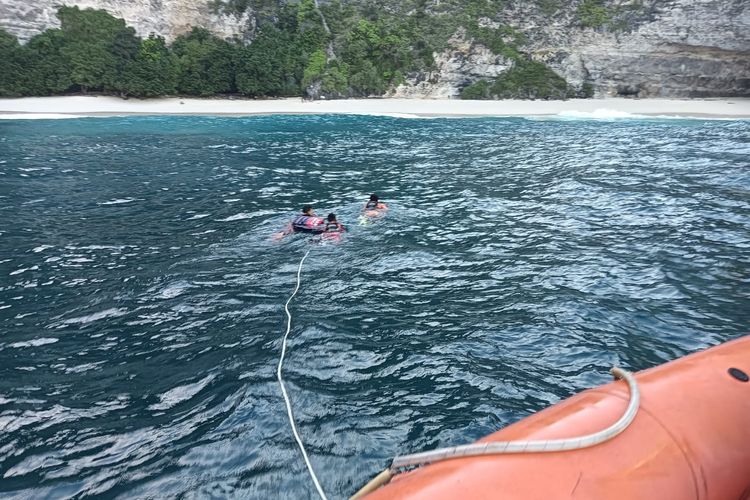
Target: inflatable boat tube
pixel 690 440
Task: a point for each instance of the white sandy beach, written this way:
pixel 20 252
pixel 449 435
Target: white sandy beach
pixel 75 106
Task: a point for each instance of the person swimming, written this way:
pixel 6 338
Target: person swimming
pixel 308 222
pixel 373 207
pixel 334 226
pixel 374 203
pixel 334 229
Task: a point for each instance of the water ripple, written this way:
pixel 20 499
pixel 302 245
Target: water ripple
pixel 141 298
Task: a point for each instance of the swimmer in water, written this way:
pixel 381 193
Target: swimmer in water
pixel 374 208
pixel 334 226
pixel 334 229
pixel 306 222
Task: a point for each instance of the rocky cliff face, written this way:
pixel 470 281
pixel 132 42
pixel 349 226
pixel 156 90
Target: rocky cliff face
pixel 674 48
pixel 462 63
pixel 679 48
pixel 667 48
pixel 168 18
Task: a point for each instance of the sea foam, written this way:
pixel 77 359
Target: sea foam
pixel 37 116
pixel 599 114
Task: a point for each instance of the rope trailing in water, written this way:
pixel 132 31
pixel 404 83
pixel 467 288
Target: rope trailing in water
pixel 283 388
pixel 503 447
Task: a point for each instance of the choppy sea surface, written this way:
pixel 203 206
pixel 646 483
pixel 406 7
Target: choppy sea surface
pixel 141 293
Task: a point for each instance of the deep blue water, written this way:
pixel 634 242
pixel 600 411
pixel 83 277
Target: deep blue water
pixel 141 298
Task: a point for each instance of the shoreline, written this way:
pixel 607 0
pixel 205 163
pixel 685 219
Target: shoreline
pixel 607 108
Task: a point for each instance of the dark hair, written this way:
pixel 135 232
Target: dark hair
pixel 373 197
pixel 306 209
pixel 331 217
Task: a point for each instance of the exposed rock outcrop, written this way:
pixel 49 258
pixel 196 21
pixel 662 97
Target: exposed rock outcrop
pixel 461 64
pixel 168 18
pixel 672 48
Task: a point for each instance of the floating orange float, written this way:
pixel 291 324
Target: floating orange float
pixel 690 439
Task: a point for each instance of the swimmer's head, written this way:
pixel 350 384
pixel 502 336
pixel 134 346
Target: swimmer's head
pixel 331 217
pixel 374 197
pixel 307 210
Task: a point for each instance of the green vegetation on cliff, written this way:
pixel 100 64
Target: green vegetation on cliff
pixel 599 15
pixel 298 49
pixel 593 13
pixel 525 80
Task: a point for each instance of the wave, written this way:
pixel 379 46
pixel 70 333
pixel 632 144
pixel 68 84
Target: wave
pixel 599 114
pixel 180 394
pixel 239 216
pixel 89 318
pixel 37 116
pixel 390 115
pixel 118 201
pixel 387 114
pixel 614 114
pixel 35 343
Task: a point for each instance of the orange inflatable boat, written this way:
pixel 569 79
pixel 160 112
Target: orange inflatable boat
pixel 689 440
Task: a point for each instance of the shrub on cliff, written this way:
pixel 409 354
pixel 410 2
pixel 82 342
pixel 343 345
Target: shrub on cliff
pixel 530 80
pixel 335 80
pixel 502 41
pixel 593 14
pixel 525 80
pixel 376 54
pixel 316 64
pixel 477 91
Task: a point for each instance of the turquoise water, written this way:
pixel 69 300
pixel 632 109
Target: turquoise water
pixel 141 297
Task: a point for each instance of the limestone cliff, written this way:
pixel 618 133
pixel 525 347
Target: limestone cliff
pixel 677 48
pixel 168 18
pixel 672 48
pixel 462 63
pixel 664 48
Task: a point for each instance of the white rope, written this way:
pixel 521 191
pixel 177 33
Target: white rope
pixel 283 388
pixel 501 447
pixel 550 445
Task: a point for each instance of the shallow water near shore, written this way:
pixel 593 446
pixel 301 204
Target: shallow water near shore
pixel 141 295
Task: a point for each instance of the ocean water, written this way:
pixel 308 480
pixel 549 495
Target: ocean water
pixel 141 293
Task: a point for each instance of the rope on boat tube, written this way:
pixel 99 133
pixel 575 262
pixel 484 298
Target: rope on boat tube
pixel 503 447
pixel 283 388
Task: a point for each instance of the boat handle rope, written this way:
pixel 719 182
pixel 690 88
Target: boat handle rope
pixel 400 464
pixel 283 388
